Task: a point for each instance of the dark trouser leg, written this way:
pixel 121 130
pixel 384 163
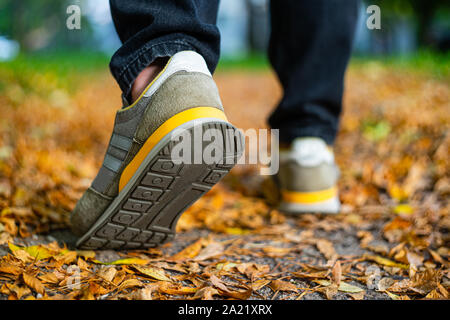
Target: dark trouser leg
pixel 309 48
pixel 161 28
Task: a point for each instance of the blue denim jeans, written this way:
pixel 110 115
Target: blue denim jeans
pixel 309 48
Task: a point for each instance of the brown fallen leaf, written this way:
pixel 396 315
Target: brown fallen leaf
pixel 130 283
pixel 211 250
pixel 175 289
pixel 206 293
pixel 10 268
pixel 336 273
pixel 310 275
pixel 223 290
pixel 19 292
pixel 275 252
pixel 259 284
pixel 33 283
pixel 143 294
pixel 66 258
pixel 251 270
pixel 326 248
pixel 280 285
pixel 49 277
pixel 107 273
pixel 358 295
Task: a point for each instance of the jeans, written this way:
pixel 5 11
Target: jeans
pixel 309 48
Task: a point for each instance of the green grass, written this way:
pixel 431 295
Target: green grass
pixel 42 73
pixel 251 62
pixel 426 62
pixel 45 72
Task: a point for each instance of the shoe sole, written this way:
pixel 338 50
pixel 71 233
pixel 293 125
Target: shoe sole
pixel 331 206
pixel 325 201
pixel 147 208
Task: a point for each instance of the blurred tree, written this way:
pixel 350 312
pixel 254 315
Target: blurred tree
pixel 38 25
pixel 422 11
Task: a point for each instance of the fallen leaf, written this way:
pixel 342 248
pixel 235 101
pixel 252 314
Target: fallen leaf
pixel 326 248
pixel 344 287
pixel 155 273
pixel 211 250
pixel 33 283
pixel 37 252
pixel 259 284
pixel 18 291
pixel 175 289
pixel 107 274
pixel 385 262
pixel 336 273
pixel 11 269
pixel 87 254
pixel 130 283
pixel 126 261
pixel 190 251
pixel 206 293
pixel 280 285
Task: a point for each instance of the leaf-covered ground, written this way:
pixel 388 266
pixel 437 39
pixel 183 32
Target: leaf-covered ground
pixel 391 240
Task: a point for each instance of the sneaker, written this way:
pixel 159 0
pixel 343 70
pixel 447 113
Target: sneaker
pixel 307 178
pixel 141 190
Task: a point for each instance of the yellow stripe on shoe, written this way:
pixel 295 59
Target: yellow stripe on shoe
pixel 309 197
pixel 168 126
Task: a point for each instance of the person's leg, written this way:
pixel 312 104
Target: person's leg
pixel 309 48
pixel 170 48
pixel 161 28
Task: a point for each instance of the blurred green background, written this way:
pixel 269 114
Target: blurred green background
pixel 33 36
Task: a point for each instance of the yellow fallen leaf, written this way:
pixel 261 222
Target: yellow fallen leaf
pixel 236 231
pixel 154 273
pixel 226 266
pixel 190 251
pixel 392 296
pixel 396 192
pixel 87 254
pixel 37 252
pixel 123 261
pixel 385 262
pixel 404 209
pixel 343 286
pixel 168 288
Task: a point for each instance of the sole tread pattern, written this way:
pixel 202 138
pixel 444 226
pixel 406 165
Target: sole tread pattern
pixel 147 215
